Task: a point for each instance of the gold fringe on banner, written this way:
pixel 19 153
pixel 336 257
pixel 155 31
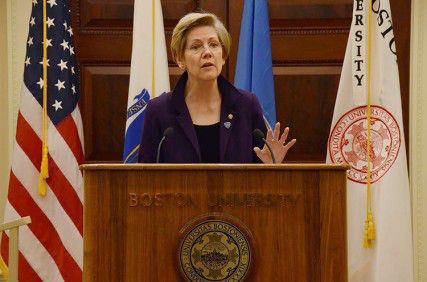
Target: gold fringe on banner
pixel 44 169
pixel 369 228
pixel 4 269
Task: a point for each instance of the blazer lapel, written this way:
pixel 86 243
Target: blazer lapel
pixel 229 95
pixel 183 115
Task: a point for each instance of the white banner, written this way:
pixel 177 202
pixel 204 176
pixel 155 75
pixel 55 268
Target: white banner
pixel 149 75
pixel 390 259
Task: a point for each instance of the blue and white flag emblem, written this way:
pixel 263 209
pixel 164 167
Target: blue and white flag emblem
pixel 135 114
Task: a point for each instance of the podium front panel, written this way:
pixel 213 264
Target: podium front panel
pixel 295 216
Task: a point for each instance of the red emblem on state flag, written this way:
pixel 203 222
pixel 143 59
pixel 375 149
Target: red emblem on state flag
pixel 348 142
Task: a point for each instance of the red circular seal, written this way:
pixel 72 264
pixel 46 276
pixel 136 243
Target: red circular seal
pixel 349 139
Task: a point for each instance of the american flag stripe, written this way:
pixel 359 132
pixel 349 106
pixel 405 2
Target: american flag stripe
pixel 27 174
pixel 30 143
pixel 61 153
pixel 28 274
pixel 27 162
pixel 44 231
pixel 68 130
pixel 33 251
pixel 77 117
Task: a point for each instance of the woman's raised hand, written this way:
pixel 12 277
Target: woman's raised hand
pixel 277 143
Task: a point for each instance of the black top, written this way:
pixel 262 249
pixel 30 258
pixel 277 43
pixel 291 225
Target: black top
pixel 208 138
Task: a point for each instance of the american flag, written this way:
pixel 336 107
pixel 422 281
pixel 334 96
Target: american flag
pixel 51 247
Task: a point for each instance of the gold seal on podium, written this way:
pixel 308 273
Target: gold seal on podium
pixel 215 249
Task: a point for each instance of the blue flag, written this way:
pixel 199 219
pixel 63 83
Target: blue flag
pixel 254 71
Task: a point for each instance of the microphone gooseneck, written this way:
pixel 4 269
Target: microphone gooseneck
pixel 168 132
pixel 260 135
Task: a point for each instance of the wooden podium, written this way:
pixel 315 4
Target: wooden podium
pixel 295 216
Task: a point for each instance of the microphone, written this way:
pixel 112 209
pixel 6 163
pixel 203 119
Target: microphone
pixel 260 135
pixel 168 132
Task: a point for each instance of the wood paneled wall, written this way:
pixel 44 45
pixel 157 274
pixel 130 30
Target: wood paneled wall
pixel 308 45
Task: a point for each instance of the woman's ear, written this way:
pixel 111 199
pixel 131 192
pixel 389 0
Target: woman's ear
pixel 180 63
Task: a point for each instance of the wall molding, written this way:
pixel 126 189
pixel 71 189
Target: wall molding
pixel 16 25
pixel 20 13
pixel 297 30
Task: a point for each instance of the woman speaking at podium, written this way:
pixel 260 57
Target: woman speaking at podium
pixel 205 119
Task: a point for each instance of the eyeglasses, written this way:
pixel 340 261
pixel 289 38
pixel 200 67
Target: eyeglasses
pixel 198 48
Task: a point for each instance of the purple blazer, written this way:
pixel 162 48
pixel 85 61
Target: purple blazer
pixel 240 114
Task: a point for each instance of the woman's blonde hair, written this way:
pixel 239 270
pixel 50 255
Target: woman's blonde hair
pixel 192 20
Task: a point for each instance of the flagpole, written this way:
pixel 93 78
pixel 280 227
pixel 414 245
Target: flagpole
pixel 153 59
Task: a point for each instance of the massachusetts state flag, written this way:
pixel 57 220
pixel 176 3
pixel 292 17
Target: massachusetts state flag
pixel 254 71
pixel 51 247
pixel 379 249
pixel 149 75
